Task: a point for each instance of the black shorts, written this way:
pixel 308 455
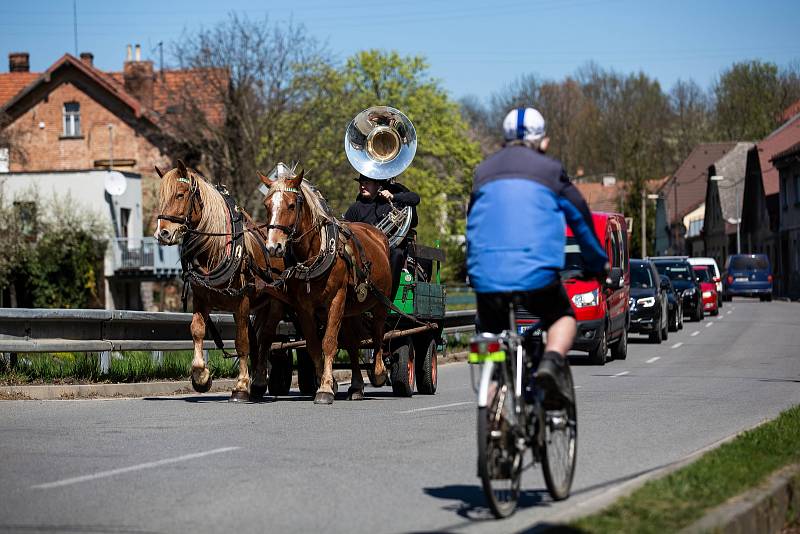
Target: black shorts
pixel 549 304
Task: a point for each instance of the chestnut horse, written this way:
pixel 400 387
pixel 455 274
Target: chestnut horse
pixel 355 260
pixel 221 265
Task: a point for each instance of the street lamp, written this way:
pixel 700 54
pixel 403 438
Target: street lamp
pixel 650 196
pixel 733 220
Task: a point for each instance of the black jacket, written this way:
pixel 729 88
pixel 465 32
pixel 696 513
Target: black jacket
pixel 373 210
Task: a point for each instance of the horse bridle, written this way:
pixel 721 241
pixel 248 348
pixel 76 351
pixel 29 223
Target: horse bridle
pixel 194 193
pixel 290 231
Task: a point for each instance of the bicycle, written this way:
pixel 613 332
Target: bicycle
pixel 514 415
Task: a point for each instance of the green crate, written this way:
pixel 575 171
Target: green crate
pixel 430 300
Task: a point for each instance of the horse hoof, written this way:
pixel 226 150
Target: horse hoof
pixel 202 388
pixel 257 392
pixel 323 397
pixel 239 396
pixel 355 394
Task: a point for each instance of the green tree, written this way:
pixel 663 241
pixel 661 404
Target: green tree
pixel 749 101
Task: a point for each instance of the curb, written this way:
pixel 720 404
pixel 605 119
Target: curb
pixel 763 509
pixel 148 389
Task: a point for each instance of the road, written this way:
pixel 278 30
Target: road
pixel 200 464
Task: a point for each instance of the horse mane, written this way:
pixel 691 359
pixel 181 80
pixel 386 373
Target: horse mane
pixel 213 216
pixel 320 212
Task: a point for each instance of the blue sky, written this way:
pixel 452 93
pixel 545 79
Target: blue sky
pixel 473 47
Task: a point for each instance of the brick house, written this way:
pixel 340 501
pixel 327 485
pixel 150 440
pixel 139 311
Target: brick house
pixel 74 117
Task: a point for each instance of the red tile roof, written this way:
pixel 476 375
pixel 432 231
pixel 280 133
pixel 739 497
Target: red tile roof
pixel 691 179
pixel 791 111
pixel 776 142
pixel 12 83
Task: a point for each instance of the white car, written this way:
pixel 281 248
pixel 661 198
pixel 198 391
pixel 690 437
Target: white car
pixel 711 262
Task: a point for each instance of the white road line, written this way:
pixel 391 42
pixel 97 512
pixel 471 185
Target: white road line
pixel 695 333
pixel 437 407
pixel 728 312
pixel 148 465
pixel 623 373
pixel 709 324
pixel 653 359
pixel 578 387
pixel 678 344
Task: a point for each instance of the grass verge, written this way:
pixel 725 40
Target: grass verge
pixel 681 498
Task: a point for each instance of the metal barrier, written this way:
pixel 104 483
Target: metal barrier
pixel 48 330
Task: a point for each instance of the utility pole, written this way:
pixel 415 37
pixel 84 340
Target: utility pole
pixel 644 224
pixel 75 24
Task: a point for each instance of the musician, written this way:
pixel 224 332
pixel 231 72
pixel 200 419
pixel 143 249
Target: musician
pixel 374 201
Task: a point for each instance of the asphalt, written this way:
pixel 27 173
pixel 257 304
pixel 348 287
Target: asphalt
pixel 197 463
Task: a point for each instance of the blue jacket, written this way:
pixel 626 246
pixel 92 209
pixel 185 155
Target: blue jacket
pixel 516 226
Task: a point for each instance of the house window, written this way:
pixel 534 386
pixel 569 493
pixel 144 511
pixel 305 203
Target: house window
pixel 797 188
pixel 72 119
pixel 124 219
pixel 26 215
pixel 4 159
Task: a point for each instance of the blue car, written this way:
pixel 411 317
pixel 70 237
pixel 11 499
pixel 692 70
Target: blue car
pixel 748 275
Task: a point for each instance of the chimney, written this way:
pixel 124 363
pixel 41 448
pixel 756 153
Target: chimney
pixel 18 62
pixel 139 78
pixel 87 58
pixel 128 55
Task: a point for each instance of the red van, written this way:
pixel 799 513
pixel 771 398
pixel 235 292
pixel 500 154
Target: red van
pixel 602 311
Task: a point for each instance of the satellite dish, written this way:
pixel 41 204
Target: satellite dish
pixel 115 183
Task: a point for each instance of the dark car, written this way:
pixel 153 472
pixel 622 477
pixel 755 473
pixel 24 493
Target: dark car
pixel 648 302
pixel 685 282
pixel 747 275
pixel 674 305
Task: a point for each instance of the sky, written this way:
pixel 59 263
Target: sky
pixel 473 47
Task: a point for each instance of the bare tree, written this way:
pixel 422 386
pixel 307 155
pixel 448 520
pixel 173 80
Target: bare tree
pixel 231 125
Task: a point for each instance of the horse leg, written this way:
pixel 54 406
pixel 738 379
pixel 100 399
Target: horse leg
pixel 308 326
pixel 352 341
pixel 266 322
pixel 201 377
pixel 241 391
pixel 379 314
pixel 330 345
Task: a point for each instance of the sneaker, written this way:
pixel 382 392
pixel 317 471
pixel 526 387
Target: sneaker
pixel 551 376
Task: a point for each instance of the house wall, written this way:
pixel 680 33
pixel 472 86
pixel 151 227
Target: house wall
pixel 39 133
pixel 789 205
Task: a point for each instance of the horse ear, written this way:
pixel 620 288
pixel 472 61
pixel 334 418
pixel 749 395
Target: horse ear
pixel 264 179
pixel 158 171
pixel 296 180
pixel 182 168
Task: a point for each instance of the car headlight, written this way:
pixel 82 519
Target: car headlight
pixel 582 300
pixel 706 294
pixel 688 292
pixel 646 302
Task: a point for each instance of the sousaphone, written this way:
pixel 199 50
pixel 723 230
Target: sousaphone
pixel 380 143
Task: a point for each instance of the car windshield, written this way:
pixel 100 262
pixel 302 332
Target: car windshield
pixel 572 255
pixel 747 263
pixel 641 276
pixel 703 274
pixel 674 270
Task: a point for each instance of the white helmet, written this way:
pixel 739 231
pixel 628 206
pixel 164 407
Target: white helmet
pixel 525 124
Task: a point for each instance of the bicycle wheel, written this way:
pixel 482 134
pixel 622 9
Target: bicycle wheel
pixel 560 448
pixel 499 460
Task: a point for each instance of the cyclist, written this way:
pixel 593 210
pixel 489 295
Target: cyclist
pixel 516 237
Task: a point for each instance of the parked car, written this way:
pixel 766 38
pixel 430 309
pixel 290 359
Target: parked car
pixel 708 288
pixel 684 280
pixel 717 277
pixel 674 305
pixel 648 302
pixel 748 275
pixel 601 310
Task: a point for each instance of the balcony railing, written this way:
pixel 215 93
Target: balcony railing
pixel 144 256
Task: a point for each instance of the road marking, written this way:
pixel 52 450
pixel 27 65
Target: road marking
pixel 678 344
pixel 728 312
pixel 695 333
pixel 578 387
pixel 437 407
pixel 623 373
pixel 148 465
pixel 709 324
pixel 653 359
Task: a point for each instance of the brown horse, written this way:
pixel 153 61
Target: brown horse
pixel 355 257
pixel 221 257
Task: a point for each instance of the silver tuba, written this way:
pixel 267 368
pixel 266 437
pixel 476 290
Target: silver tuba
pixel 380 143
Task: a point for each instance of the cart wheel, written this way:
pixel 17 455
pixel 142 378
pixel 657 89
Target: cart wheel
pixel 280 374
pixel 306 376
pixel 366 357
pixel 402 369
pixel 425 363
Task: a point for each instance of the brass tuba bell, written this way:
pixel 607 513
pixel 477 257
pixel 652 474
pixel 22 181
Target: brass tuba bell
pixel 380 143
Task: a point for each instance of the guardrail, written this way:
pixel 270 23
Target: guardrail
pixel 50 330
